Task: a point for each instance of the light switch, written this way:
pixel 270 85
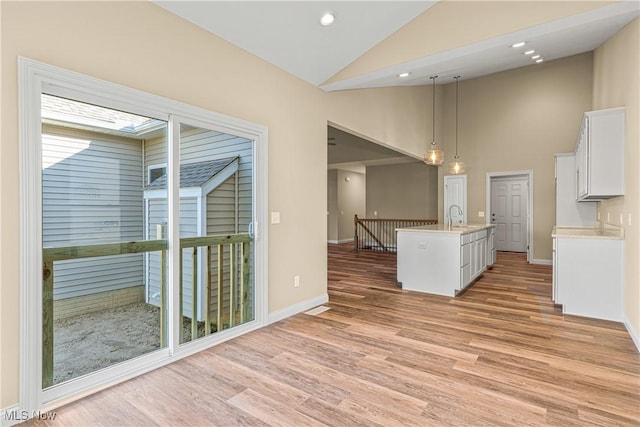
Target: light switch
pixel 275 217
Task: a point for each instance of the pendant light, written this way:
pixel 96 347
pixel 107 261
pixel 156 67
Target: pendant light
pixel 456 167
pixel 433 156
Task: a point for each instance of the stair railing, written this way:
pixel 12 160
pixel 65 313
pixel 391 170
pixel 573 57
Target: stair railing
pixel 379 234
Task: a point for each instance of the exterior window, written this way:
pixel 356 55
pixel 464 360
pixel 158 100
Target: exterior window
pixel 156 171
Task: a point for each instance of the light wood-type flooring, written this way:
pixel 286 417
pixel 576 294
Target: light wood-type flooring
pixel 500 354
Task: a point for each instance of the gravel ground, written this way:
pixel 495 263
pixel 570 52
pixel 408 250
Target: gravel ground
pixel 87 343
pixel 90 342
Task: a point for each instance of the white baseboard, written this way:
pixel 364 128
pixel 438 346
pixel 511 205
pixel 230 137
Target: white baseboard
pixel 298 308
pixel 12 415
pixel 632 332
pixel 336 242
pixel 542 261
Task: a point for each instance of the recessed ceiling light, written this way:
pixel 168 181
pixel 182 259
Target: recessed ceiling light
pixel 529 52
pixel 535 57
pixel 403 74
pixel 327 19
pixel 519 44
pixel 539 60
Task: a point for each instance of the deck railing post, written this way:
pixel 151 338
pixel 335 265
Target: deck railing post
pixel 163 288
pixel 47 324
pixel 356 242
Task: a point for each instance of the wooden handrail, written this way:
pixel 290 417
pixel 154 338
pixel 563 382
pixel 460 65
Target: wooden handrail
pixel 51 255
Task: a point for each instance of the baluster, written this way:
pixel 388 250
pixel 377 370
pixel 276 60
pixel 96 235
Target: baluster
pixel 232 279
pixel 220 286
pixel 194 293
pixel 246 277
pixel 207 292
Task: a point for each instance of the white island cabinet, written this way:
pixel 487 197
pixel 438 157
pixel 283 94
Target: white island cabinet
pixel 443 260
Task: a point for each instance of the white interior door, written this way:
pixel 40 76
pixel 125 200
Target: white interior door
pixel 455 193
pixel 509 199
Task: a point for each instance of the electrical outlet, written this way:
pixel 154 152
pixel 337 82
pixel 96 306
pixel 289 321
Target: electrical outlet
pixel 275 217
pixel 422 245
pixel 375 213
pixel 296 281
pixel 481 214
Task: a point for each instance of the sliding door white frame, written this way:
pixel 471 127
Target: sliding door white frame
pixel 36 78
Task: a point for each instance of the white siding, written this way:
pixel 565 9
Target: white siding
pixel 92 193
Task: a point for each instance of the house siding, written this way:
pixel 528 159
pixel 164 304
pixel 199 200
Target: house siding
pixel 91 193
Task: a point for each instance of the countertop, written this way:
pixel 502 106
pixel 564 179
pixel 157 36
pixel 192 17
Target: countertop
pixel 444 228
pixel 606 232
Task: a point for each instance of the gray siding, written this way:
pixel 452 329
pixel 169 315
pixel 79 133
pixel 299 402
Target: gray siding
pixel 199 145
pixel 92 193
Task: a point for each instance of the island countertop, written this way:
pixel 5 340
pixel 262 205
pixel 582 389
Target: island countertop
pixel 444 228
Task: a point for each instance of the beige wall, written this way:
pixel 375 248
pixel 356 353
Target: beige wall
pixel 616 72
pixel 117 41
pixel 405 190
pixel 332 205
pixel 516 120
pixel 351 201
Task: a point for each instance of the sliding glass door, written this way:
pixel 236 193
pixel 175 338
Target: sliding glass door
pixel 141 212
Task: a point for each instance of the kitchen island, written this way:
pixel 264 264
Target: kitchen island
pixel 442 259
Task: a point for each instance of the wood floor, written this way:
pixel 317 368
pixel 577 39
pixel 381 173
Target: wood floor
pixel 501 354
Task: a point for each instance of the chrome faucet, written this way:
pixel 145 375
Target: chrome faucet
pixel 459 213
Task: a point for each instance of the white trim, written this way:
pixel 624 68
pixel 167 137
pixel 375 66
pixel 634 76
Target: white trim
pixel 635 337
pixel 36 78
pixel 219 178
pixel 528 174
pixel 300 307
pixel 337 242
pixel 16 414
pixel 542 261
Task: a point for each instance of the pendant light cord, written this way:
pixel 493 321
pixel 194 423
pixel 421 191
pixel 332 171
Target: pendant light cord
pixel 457 78
pixel 433 109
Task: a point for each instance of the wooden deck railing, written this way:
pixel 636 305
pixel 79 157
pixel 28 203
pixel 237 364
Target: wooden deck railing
pixel 377 234
pixel 239 250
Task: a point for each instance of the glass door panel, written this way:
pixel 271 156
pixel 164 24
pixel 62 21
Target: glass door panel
pixel 103 248
pixel 216 210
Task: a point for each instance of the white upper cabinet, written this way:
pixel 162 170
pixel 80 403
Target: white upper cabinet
pixel 600 155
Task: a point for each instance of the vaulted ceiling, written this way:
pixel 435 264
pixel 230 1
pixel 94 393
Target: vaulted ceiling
pixel 371 43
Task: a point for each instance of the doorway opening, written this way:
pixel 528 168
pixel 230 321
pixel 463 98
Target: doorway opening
pixel 510 206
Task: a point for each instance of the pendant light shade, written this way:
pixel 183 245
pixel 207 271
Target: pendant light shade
pixel 456 167
pixel 434 156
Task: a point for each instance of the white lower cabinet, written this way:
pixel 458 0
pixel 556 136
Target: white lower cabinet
pixel 588 277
